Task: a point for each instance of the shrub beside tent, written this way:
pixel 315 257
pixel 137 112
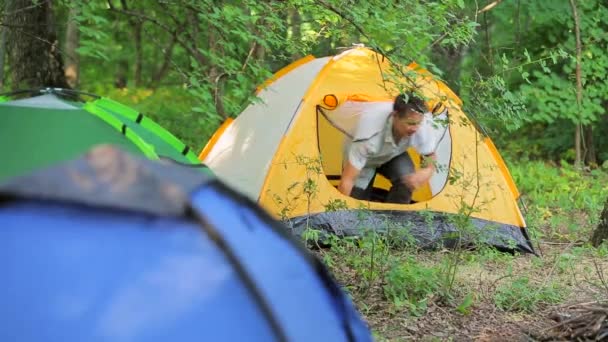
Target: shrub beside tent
pixel 292 137
pixel 52 125
pixel 111 247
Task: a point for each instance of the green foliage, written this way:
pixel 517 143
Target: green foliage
pixel 335 204
pixel 303 191
pixel 380 24
pixel 522 295
pixel 169 107
pixel 491 101
pixel 513 64
pixel 601 251
pixel 465 307
pixel 229 47
pixel 553 92
pixel 240 28
pixel 531 45
pixel 564 200
pixel 201 60
pixel 410 284
pixel 564 186
pixel 561 190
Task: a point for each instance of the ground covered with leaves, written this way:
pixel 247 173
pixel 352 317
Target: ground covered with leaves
pixel 495 298
pixel 484 295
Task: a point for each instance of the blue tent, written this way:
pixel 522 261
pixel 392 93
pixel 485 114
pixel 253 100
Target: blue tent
pixel 110 247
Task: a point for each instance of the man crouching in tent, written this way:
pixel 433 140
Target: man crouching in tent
pixel 379 146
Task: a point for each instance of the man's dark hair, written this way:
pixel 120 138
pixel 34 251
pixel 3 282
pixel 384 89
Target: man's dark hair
pixel 409 101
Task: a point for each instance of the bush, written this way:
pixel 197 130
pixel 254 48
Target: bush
pixel 410 284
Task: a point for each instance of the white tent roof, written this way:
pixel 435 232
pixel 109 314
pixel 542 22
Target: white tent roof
pixel 253 139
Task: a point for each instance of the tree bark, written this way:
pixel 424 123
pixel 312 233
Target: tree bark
pixel 601 231
pixel 34 48
pixel 164 68
pixel 214 74
pixel 3 44
pixel 122 71
pixel 137 25
pixel 517 24
pixel 579 85
pixel 137 28
pixel 590 153
pixel 259 52
pixel 72 41
pixel 194 23
pixel 490 53
pixel 450 60
pixel 296 32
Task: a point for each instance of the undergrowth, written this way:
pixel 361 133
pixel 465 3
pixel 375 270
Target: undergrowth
pixel 389 276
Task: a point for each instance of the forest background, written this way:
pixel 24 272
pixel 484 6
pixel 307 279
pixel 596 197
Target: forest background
pixel 532 73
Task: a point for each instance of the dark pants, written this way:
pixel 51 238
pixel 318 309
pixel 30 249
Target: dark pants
pixel 393 170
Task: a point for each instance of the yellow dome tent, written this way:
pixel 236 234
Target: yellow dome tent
pixel 285 151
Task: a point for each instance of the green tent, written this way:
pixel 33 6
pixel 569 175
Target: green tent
pixel 53 125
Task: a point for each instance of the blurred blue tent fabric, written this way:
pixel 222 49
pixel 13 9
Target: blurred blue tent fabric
pixel 110 247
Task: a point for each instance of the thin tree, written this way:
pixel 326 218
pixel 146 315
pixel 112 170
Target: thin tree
pixel 296 31
pixel 72 41
pixel 579 85
pixel 136 24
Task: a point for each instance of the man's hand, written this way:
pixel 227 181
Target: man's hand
pixel 421 176
pixel 347 181
pixel 417 179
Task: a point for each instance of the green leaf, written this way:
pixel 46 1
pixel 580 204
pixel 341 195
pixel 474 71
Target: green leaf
pixel 465 307
pixel 527 54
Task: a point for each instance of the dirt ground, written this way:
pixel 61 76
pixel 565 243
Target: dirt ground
pixel 484 321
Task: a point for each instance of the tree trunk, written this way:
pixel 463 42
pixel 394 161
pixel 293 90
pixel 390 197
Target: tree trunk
pixel 194 34
pixel 34 49
pixel 490 52
pixel 590 153
pixel 164 67
pixel 72 67
pixel 122 71
pixel 517 24
pixel 579 85
pixel 137 27
pixel 259 52
pixel 194 23
pixel 450 60
pixel 214 75
pixel 2 54
pixel 296 32
pixel 3 45
pixel 601 232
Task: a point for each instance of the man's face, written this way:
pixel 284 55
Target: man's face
pixel 408 124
